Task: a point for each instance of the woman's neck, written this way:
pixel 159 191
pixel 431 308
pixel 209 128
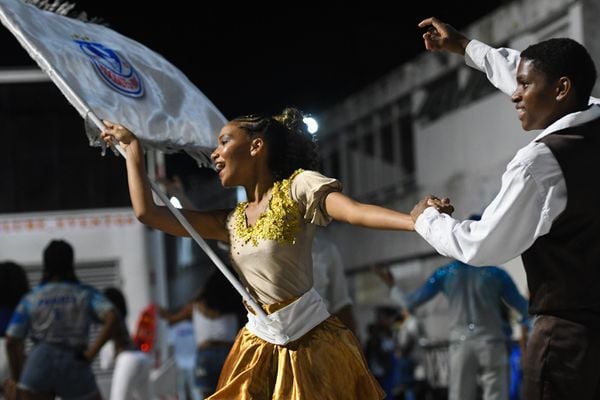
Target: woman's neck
pixel 257 191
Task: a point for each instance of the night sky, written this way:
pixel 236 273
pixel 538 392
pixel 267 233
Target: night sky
pixel 259 57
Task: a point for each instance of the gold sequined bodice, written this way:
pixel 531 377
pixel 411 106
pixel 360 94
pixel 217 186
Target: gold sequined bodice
pixel 273 257
pixel 279 221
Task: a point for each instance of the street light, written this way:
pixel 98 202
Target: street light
pixel 311 124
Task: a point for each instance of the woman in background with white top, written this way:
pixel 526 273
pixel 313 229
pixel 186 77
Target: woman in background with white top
pixel 216 314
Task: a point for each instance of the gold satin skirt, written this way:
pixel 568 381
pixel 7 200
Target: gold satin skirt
pixel 327 363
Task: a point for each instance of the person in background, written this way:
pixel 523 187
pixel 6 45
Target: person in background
pixel 408 334
pixel 131 374
pixel 476 296
pixel 182 342
pixel 57 316
pixel 544 210
pixel 380 349
pixel 515 351
pixel 13 285
pixel 273 157
pixel 216 315
pixel 330 280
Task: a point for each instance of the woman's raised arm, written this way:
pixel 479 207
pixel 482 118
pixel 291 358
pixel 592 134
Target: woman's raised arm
pixel 210 224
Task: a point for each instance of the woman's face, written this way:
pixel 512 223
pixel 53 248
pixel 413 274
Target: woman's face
pixel 232 156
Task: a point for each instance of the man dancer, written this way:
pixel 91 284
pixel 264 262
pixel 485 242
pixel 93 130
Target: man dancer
pixel 545 209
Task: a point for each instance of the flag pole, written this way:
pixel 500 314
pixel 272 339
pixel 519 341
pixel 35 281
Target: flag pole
pixel 194 234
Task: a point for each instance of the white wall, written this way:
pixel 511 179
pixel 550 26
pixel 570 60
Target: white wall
pixel 96 235
pixel 474 140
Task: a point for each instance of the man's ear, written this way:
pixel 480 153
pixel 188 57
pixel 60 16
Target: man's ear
pixel 256 145
pixel 564 88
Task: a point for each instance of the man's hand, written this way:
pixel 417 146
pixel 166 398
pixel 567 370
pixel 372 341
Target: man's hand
pixel 441 36
pixel 442 205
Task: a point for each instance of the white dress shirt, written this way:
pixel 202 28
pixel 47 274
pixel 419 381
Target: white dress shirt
pixel 533 192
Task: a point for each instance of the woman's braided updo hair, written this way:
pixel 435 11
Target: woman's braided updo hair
pixel 290 144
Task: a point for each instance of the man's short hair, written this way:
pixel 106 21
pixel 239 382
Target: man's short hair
pixel 565 57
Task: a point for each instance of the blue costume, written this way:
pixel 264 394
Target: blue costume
pixel 478 331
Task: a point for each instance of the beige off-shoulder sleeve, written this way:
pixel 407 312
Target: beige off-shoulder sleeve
pixel 309 189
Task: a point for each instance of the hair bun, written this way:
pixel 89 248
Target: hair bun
pixel 291 118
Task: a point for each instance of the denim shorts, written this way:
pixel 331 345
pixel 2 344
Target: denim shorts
pixel 59 371
pixel 209 362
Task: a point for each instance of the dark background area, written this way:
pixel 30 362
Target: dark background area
pixel 245 57
pixel 254 56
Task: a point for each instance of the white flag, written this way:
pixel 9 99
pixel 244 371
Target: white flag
pixel 116 78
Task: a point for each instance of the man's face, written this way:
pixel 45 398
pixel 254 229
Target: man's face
pixel 535 97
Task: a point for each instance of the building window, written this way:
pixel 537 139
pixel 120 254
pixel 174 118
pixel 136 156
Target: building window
pixel 369 144
pixel 442 97
pixel 334 165
pixel 387 143
pixel 407 147
pixel 477 86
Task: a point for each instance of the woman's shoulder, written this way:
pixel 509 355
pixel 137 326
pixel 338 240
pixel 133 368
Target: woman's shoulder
pixel 306 174
pixel 309 180
pixel 306 178
pixel 309 189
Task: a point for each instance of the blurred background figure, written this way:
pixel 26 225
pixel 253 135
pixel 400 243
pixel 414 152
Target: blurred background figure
pixel 131 374
pixel 329 278
pixel 13 285
pixel 408 333
pixel 216 314
pixel 478 352
pixel 515 349
pixel 182 343
pixel 380 349
pixel 57 316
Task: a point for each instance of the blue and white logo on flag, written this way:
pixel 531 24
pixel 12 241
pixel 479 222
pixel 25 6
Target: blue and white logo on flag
pixel 113 68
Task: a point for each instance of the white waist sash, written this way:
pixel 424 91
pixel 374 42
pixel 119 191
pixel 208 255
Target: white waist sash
pixel 292 321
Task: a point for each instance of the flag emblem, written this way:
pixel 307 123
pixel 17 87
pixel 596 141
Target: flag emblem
pixel 113 68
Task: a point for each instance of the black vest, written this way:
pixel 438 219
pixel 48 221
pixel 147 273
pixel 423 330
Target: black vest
pixel 563 266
